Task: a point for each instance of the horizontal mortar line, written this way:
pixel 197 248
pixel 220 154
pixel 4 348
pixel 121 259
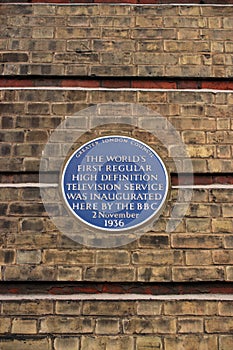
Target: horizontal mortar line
pixel 49 185
pixel 28 184
pixel 111 89
pixel 218 186
pixel 108 296
pixel 118 4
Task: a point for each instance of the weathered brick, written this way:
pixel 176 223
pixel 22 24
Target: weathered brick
pixel 146 308
pixel 194 307
pixel 26 209
pixel 28 257
pixel 24 326
pixel 149 325
pixel 162 33
pixel 38 108
pixel 5 325
pixel 229 272
pixel 38 307
pixel 58 324
pixel 222 225
pixel 28 344
pixel 36 136
pixel 9 194
pixel 153 274
pixel 66 343
pixel 27 150
pixel 195 137
pixel 200 225
pixel 68 307
pixel 161 241
pixel 201 152
pixel 120 343
pixel 192 342
pixel 34 224
pixel 112 257
pixel 12 136
pixel 43 32
pixel 198 274
pixel 218 324
pixel 160 257
pixel 107 326
pixel 76 257
pixel 190 325
pixel 226 308
pixel 93 343
pixel 113 274
pixel 7 256
pixel 69 273
pixel 225 342
pixel 30 273
pixel 109 308
pixel 13 57
pixel 107 342
pixel 202 256
pixel 148 343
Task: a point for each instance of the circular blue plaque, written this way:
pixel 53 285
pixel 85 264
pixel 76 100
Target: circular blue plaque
pixel 114 183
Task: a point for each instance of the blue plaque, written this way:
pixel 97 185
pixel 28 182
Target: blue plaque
pixel 114 183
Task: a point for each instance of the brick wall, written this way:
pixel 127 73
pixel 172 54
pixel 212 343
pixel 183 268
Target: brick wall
pixel 119 325
pixel 105 40
pixel 201 248
pixel 57 60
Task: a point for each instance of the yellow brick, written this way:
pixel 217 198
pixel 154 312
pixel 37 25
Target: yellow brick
pixel 59 324
pixel 201 256
pixel 198 241
pixel 113 274
pixel 153 274
pixel 26 344
pixel 39 307
pixel 63 256
pixel 160 257
pixel 198 274
pixel 119 343
pixel 149 325
pixel 229 271
pixel 201 151
pixel 190 325
pixel 148 21
pixel 223 151
pixel 183 33
pixel 192 342
pixel 222 225
pixel 5 325
pixel 226 342
pixel 109 308
pixel 226 308
pixel 178 46
pixel 68 307
pixel 112 257
pixel 227 210
pixel 195 308
pixel 149 308
pixel 200 225
pixel 107 326
pixel 24 326
pixel 66 343
pixel 218 324
pixel 193 136
pixel 189 10
pixel 148 343
pixel 69 273
pixel 190 59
